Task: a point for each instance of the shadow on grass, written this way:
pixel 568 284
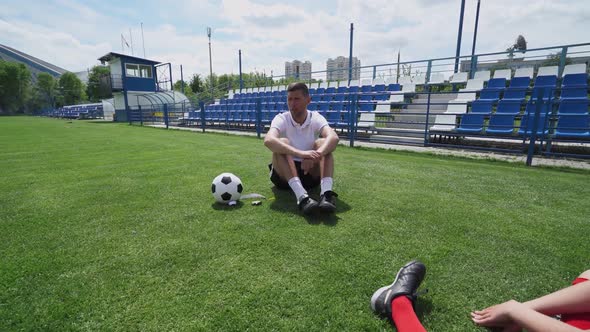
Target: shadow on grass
pixel 284 202
pixel 225 207
pixel 423 307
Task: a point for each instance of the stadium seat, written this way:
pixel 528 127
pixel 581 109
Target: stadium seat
pixel 471 123
pixel 548 71
pixel 378 81
pixel 575 80
pixel 383 107
pixel 503 73
pixel 481 107
pixel 456 108
pixel 497 83
pixel 508 107
pixel 444 122
pixel 323 85
pixel 465 97
pixel 483 75
pixel 354 83
pixel 500 124
pixel 394 87
pixel 543 92
pixel 436 78
pixel 404 80
pixel 473 85
pixel 573 127
pixel 526 125
pixel 573 106
pixel 419 79
pixel 546 81
pixel 366 120
pixel 366 107
pixel 492 94
pixel 460 77
pixel 570 92
pixel 578 68
pixel 524 72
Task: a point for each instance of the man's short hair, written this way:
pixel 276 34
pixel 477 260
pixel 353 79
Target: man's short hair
pixel 298 86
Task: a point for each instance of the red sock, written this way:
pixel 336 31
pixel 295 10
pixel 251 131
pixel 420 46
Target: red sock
pixel 404 317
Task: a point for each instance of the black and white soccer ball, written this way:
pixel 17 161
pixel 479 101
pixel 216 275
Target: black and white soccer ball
pixel 226 187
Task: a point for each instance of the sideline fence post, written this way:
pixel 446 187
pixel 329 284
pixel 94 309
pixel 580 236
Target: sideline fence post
pixel 531 151
pixel 427 116
pixel 202 106
pixel 352 119
pixel 258 117
pixel 166 115
pixel 140 114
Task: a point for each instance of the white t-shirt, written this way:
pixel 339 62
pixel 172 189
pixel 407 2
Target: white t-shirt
pixel 303 136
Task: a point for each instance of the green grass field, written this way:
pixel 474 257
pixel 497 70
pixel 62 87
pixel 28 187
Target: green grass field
pixel 113 227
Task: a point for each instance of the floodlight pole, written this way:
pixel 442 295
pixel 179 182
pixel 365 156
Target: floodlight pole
pixel 350 54
pixel 210 64
pixel 459 36
pixel 475 31
pixel 240 60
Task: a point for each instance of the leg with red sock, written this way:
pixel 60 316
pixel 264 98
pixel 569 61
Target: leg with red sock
pixel 397 300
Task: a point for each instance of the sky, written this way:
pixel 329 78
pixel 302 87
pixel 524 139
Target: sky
pixel 74 34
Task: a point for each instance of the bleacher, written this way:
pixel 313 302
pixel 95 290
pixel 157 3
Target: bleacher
pixel 83 111
pixel 510 111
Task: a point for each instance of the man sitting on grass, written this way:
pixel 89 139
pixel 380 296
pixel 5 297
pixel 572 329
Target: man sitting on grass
pixel 302 143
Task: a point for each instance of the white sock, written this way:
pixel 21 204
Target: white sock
pixel 295 184
pixel 326 184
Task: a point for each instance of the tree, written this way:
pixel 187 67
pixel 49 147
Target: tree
pixel 15 79
pixel 98 84
pixel 196 83
pixel 44 92
pixel 187 90
pixel 71 89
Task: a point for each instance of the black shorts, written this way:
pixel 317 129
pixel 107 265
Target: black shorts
pixel 307 180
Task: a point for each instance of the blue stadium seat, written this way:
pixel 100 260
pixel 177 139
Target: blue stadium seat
pixel 520 82
pixel 481 107
pixel 500 124
pixel 492 94
pixel 394 87
pixel 366 107
pixel 573 127
pixel 575 80
pixel 574 92
pixel 543 92
pixel 573 106
pixel 471 123
pixel 546 81
pixel 508 107
pixel 497 83
pixel 526 125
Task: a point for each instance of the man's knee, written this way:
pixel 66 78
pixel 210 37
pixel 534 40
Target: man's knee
pixel 585 275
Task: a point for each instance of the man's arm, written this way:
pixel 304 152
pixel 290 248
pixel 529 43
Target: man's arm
pixel 330 140
pixel 276 145
pixel 513 312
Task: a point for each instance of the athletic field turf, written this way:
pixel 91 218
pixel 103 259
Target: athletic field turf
pixel 113 227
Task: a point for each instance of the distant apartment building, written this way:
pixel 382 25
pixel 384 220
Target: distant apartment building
pixel 298 69
pixel 337 69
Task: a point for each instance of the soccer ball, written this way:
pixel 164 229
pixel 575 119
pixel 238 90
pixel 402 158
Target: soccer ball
pixel 226 187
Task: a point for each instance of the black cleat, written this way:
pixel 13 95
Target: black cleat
pixel 307 204
pixel 406 283
pixel 328 201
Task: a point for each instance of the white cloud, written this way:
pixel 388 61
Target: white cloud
pixel 73 34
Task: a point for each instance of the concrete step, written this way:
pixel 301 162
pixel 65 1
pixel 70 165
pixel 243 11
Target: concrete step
pixel 396 140
pixel 424 107
pixel 401 132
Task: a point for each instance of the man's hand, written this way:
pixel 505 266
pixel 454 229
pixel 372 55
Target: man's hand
pixel 311 154
pixel 496 316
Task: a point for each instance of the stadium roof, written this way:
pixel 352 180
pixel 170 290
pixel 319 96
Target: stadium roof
pixel 36 65
pixel 112 55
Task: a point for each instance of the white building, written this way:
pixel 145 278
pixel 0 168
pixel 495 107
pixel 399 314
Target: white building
pixel 337 69
pixel 298 69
